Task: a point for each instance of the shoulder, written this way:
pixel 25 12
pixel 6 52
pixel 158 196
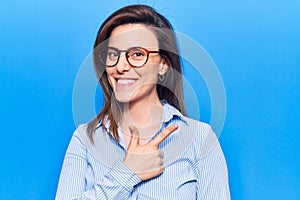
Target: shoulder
pixel 77 145
pixel 191 129
pixel 81 132
pixel 170 113
pixel 204 138
pixel 80 138
pixel 200 127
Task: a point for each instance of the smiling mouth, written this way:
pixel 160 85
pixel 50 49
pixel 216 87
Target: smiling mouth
pixel 125 82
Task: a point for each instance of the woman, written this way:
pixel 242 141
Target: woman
pixel 141 146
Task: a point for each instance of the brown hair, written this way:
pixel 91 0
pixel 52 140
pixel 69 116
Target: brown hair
pixel 170 89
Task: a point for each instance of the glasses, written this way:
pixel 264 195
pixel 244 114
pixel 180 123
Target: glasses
pixel 135 56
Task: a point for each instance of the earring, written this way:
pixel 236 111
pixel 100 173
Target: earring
pixel 161 78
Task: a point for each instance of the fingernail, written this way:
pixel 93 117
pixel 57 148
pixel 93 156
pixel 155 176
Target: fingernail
pixel 130 128
pixel 133 130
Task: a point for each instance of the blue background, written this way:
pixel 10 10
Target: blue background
pixel 255 44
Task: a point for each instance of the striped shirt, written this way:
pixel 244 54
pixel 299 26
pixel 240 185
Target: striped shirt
pixel 195 167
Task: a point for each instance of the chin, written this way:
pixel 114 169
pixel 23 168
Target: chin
pixel 123 97
pixel 128 97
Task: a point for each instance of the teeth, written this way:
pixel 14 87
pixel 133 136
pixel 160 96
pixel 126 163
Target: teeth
pixel 125 81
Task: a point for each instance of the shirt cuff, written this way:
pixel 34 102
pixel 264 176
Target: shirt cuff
pixel 124 176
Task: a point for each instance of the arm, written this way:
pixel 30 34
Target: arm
pixel 212 169
pixel 118 183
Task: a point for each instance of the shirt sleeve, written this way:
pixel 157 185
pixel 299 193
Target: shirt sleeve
pixel 212 169
pixel 118 183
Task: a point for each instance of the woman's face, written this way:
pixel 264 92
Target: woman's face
pixel 129 83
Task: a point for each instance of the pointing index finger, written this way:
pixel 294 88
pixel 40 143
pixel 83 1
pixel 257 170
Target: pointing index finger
pixel 163 135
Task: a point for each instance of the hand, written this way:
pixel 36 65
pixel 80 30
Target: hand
pixel 146 160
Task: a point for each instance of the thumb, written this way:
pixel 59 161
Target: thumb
pixel 135 137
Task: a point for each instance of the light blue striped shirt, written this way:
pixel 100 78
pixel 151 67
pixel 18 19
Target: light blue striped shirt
pixel 195 167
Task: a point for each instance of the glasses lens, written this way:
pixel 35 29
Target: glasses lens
pixel 112 57
pixel 137 57
pixel 109 57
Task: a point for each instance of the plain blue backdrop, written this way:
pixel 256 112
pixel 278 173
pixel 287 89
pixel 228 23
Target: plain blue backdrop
pixel 255 44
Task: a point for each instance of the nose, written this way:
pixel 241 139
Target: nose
pixel 123 65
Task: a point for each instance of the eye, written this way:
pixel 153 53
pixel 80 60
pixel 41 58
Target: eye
pixel 112 54
pixel 137 54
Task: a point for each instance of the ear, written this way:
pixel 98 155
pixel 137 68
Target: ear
pixel 163 67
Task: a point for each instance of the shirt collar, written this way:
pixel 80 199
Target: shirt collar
pixel 168 113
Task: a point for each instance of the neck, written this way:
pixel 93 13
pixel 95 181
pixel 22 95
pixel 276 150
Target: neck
pixel 145 115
